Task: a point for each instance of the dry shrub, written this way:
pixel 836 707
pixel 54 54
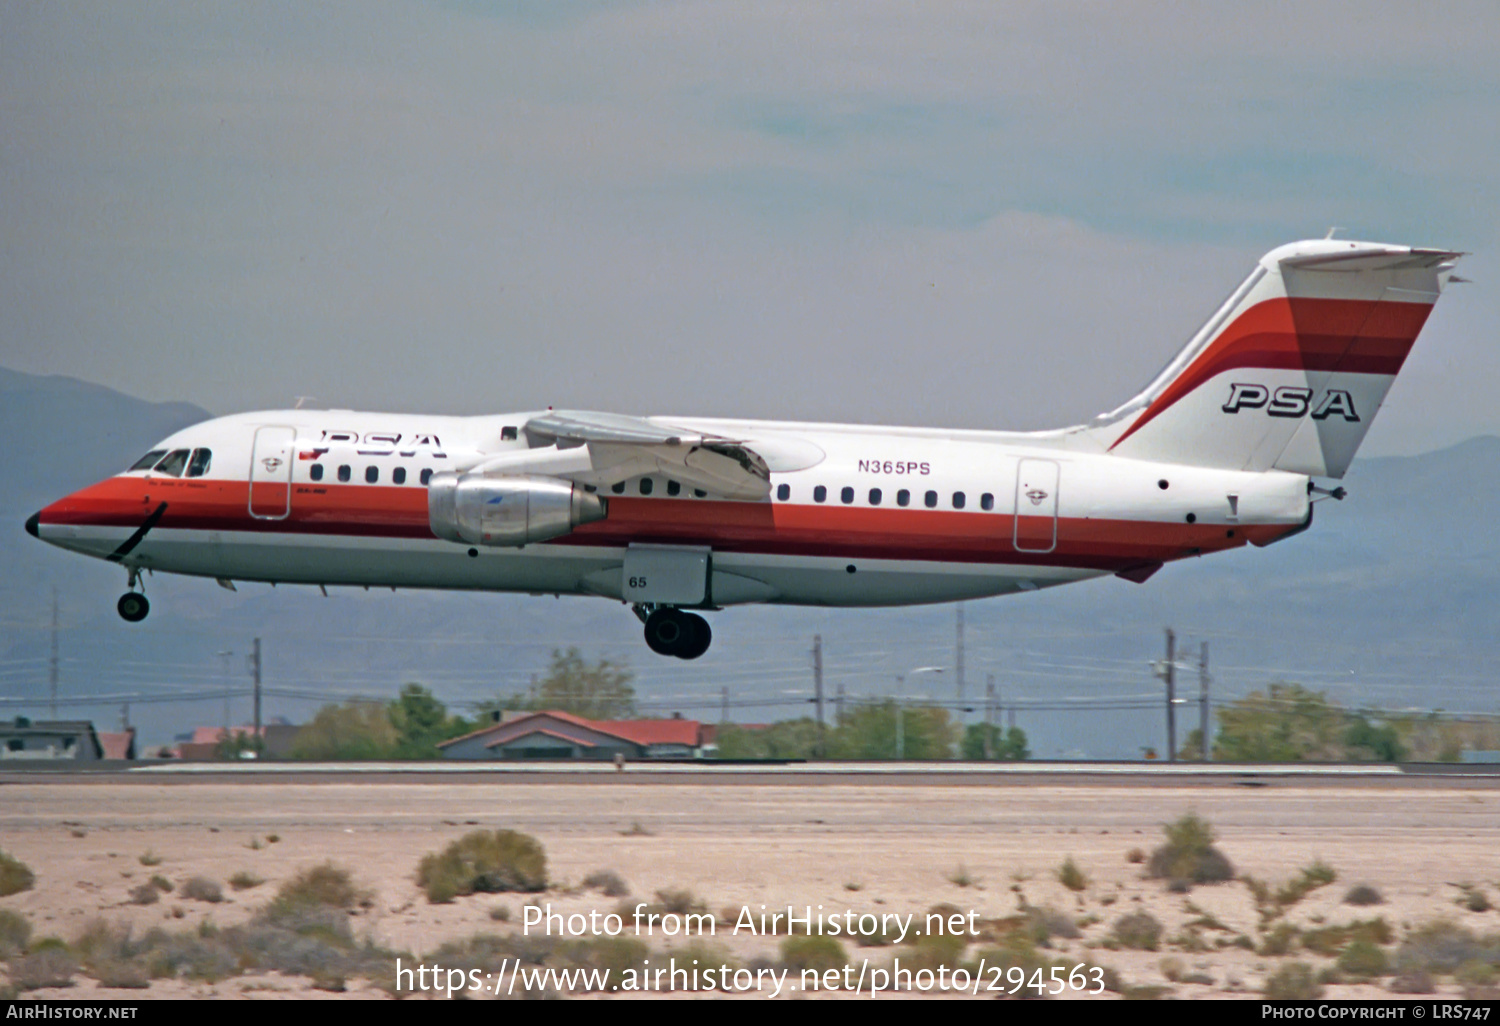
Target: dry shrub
pixel 15 931
pixel 1070 876
pixel 244 880
pixel 324 886
pixel 484 862
pixel 50 966
pixel 15 875
pixel 1189 856
pixel 1293 982
pixel 201 888
pixel 1443 946
pixel 145 894
pixel 812 952
pixel 607 882
pixel 1138 930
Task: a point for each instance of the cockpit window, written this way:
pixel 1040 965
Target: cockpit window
pixel 172 465
pixel 148 461
pixel 198 465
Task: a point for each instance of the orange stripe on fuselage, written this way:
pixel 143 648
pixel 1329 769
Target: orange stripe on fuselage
pixel 380 511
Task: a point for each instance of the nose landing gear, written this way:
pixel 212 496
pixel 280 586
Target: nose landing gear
pixel 133 606
pixel 671 632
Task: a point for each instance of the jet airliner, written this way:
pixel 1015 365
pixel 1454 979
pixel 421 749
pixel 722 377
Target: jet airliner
pixel 675 516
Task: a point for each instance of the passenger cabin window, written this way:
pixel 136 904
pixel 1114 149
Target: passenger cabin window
pixel 986 502
pixel 874 496
pixel 344 472
pixel 316 472
pixel 173 464
pixel 903 497
pixel 426 475
pixel 930 499
pixel 646 486
pixel 618 487
pixel 507 434
pixel 372 474
pixel 847 495
pixel 783 492
pixel 959 500
pixel 820 493
pixel 149 460
pixel 674 488
pixel 198 465
pixel 700 493
pixel 398 476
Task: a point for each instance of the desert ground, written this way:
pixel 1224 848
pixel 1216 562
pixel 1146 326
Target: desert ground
pixel 993 849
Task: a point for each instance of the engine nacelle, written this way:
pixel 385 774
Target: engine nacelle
pixel 478 510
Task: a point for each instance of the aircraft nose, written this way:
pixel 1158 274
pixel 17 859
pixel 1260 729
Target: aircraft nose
pixel 31 525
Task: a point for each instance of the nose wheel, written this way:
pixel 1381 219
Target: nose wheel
pixel 671 632
pixel 133 607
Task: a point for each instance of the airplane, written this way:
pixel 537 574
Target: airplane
pixel 676 516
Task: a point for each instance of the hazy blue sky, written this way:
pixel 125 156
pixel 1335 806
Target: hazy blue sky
pixel 970 214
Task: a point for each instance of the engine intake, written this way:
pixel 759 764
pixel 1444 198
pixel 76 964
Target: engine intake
pixel 479 510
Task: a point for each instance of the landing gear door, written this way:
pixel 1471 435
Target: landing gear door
pixel 1036 506
pixel 665 575
pixel 271 473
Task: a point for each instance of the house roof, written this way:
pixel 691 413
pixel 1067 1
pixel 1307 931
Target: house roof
pixel 639 732
pixel 655 732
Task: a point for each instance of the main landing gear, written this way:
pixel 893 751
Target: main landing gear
pixel 133 606
pixel 671 632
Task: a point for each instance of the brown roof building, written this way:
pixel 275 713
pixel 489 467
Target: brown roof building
pixel 559 735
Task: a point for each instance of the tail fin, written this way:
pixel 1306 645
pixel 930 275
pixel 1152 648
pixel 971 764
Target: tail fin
pixel 1291 370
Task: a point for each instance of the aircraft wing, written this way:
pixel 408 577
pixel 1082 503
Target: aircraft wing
pixel 620 447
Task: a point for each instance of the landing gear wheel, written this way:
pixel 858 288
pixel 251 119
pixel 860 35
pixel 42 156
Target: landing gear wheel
pixel 698 637
pixel 671 632
pixel 133 606
pixel 666 630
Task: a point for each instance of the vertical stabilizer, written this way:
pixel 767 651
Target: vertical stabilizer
pixel 1290 371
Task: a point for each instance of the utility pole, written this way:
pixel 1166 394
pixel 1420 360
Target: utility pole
pixel 255 669
pixel 52 663
pixel 989 716
pixel 958 662
pixel 1171 677
pixel 724 704
pixel 838 704
pixel 228 687
pixel 817 654
pixel 1203 706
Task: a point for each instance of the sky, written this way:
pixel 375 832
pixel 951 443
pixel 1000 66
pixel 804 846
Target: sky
pixel 970 215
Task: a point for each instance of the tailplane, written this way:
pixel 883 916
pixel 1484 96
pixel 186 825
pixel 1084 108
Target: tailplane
pixel 1290 371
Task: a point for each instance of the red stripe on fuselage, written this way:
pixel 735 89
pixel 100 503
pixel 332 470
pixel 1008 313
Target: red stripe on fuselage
pixel 762 528
pixel 1353 336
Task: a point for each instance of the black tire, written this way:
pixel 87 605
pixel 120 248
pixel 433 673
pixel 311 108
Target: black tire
pixel 666 630
pixel 133 607
pixel 696 639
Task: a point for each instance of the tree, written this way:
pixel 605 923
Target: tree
pixel 1365 741
pixel 358 729
pixel 1286 723
pixel 598 691
pixel 420 722
pixel 1004 744
pixel 787 739
pixel 870 732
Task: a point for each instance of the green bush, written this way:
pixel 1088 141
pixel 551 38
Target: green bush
pixel 304 902
pixel 1363 959
pixel 15 875
pixel 1319 874
pixel 1070 876
pixel 817 953
pixel 1293 982
pixel 1189 856
pixel 15 931
pixel 484 862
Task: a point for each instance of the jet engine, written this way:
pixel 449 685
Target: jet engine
pixel 479 510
